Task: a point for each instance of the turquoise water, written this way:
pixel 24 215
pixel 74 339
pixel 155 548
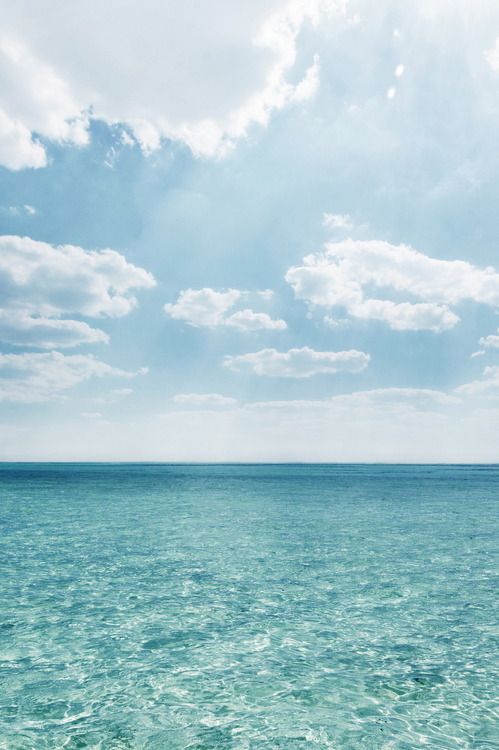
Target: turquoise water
pixel 248 607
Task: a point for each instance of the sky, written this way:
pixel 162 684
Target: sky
pixel 252 231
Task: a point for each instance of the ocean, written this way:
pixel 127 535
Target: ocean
pixel 245 607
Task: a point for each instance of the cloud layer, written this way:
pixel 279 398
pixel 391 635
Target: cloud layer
pixel 41 284
pixel 298 363
pixel 34 99
pixel 32 378
pixel 348 274
pixel 486 386
pixel 202 76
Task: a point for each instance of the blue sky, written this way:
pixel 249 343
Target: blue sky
pixel 252 231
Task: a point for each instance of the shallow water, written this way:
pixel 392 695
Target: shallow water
pixel 248 607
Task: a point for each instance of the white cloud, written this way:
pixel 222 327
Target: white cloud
pixel 345 272
pixel 17 148
pixel 298 363
pixel 331 322
pixel 406 316
pixel 67 278
pixel 492 56
pixel 20 211
pixel 248 320
pixel 34 99
pixel 203 77
pixel 31 378
pixel 22 329
pixel 337 221
pixel 399 71
pixel 41 284
pixel 309 84
pixel 202 307
pixel 490 342
pixel 204 400
pixel 266 294
pixel 207 308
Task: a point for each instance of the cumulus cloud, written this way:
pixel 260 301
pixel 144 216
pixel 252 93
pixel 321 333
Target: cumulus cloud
pixel 151 67
pixel 337 221
pixel 298 363
pixel 202 307
pixel 204 400
pixel 207 308
pixel 345 274
pixel 490 342
pixel 40 284
pixel 32 378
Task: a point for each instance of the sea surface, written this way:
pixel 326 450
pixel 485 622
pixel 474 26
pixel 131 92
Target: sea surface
pixel 248 607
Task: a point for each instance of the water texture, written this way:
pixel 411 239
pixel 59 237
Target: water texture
pixel 248 607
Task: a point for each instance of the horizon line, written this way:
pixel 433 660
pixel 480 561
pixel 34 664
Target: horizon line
pixel 146 462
